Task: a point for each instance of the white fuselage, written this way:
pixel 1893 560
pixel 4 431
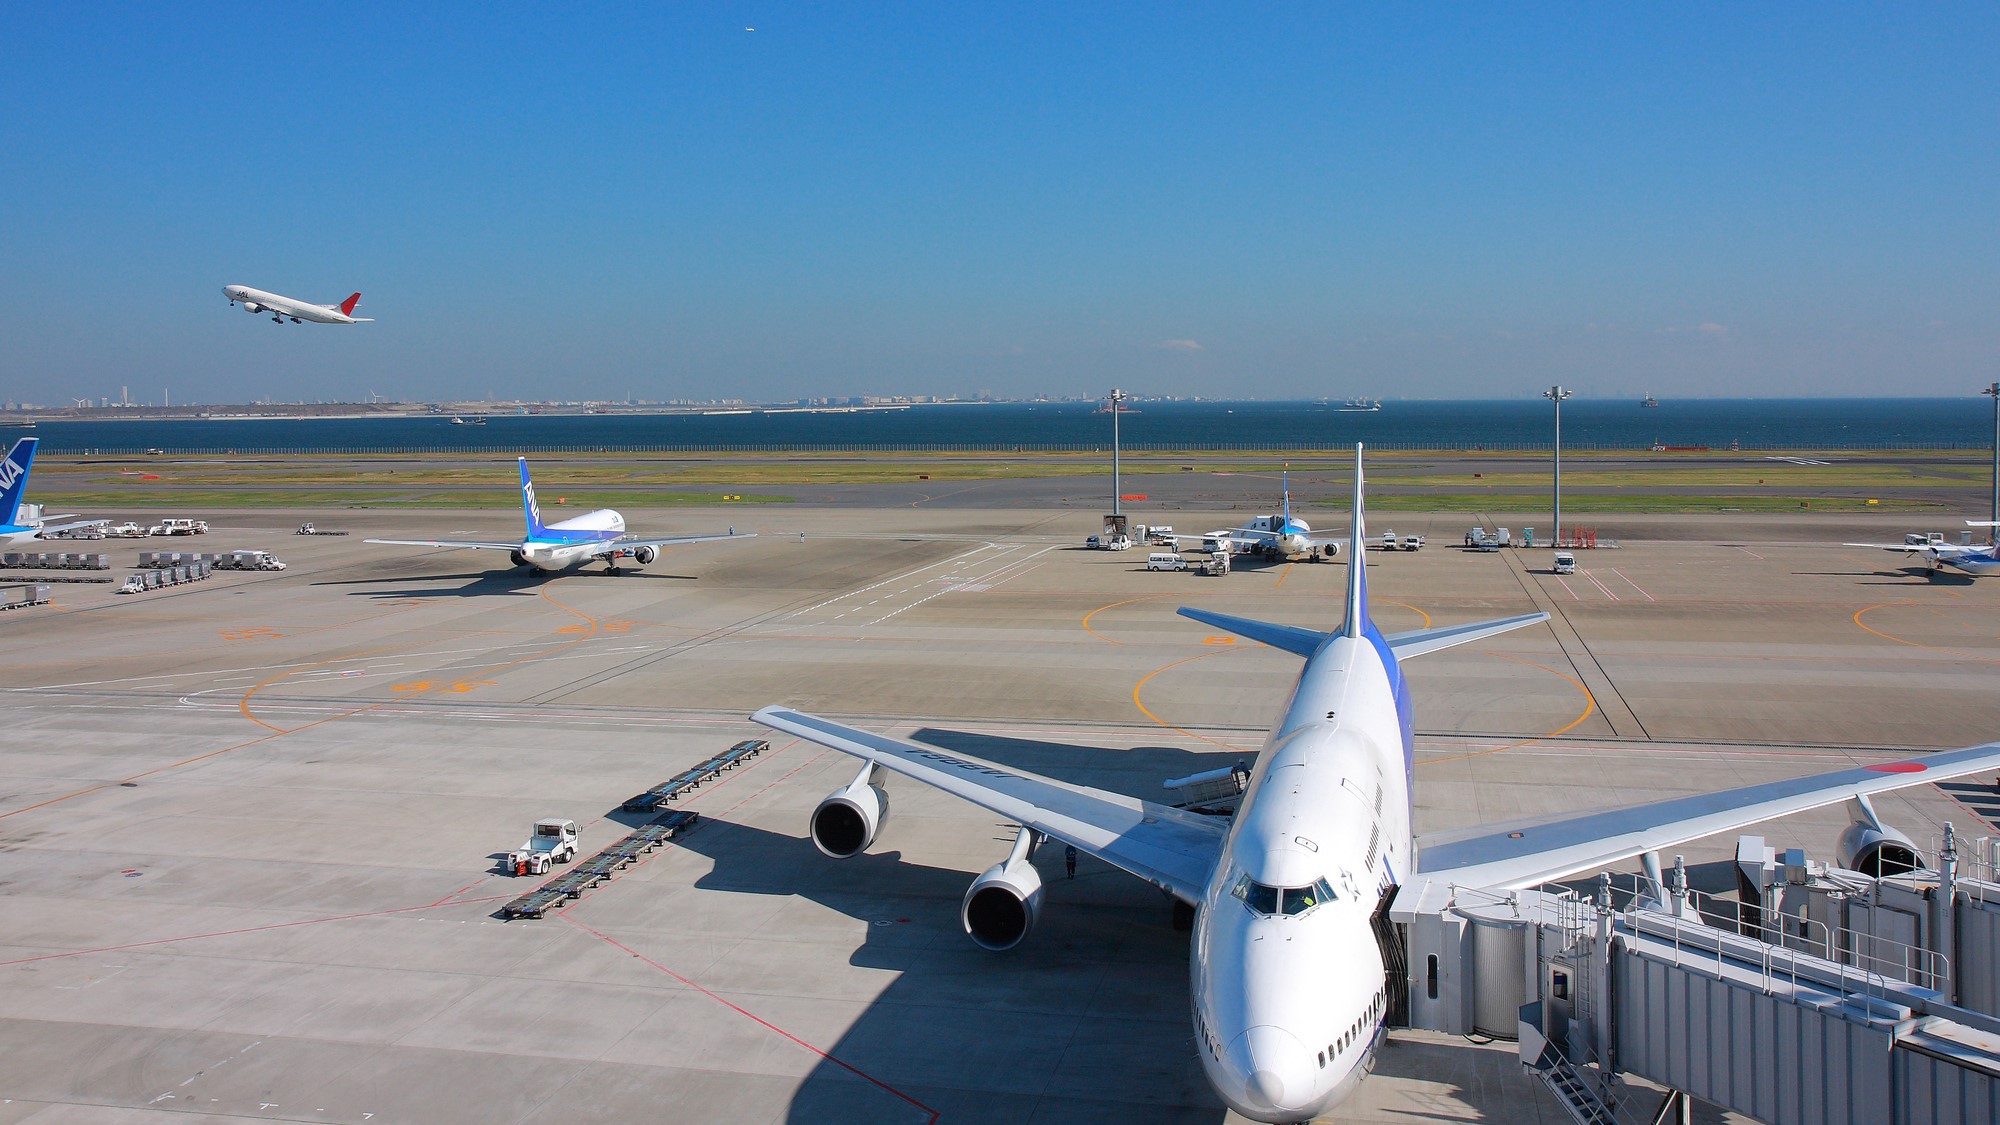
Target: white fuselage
pixel 572 542
pixel 256 300
pixel 1288 1001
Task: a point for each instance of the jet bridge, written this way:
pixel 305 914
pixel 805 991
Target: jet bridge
pixel 1821 996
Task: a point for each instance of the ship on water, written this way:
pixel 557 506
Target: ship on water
pixel 1361 404
pixel 1649 400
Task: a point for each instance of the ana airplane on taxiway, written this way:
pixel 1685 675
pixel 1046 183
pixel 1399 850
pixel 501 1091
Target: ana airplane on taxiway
pixel 1293 966
pixel 570 543
pixel 1972 558
pixel 13 485
pixel 1279 535
pixel 286 308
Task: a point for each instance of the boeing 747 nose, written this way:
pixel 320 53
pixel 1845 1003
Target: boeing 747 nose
pixel 1272 1073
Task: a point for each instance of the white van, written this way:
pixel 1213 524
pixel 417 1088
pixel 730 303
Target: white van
pixel 1165 560
pixel 1565 563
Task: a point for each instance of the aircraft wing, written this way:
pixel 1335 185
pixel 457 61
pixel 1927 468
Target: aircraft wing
pixel 635 544
pixel 1527 856
pixel 1943 550
pixel 1173 849
pixel 47 529
pixel 469 544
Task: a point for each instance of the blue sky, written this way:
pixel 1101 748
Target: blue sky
pixel 1284 201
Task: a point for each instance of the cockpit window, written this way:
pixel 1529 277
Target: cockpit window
pixel 1291 901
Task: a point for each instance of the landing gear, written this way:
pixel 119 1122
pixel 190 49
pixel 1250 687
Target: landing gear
pixel 277 320
pixel 295 320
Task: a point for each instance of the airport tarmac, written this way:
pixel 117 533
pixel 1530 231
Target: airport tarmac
pixel 249 826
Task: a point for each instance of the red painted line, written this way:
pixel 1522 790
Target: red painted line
pixel 1565 585
pixel 244 930
pixel 1750 552
pixel 446 900
pixel 753 1017
pixel 1600 585
pixel 1633 584
pixel 767 788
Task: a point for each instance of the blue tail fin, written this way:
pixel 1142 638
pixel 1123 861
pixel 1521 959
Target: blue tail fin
pixel 1285 479
pixel 1357 563
pixel 528 506
pixel 14 478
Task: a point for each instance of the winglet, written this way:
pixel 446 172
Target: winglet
pixel 528 506
pixel 14 477
pixel 347 306
pixel 1356 623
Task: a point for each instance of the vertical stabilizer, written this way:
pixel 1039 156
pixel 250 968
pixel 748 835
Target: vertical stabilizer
pixel 347 306
pixel 1357 563
pixel 14 478
pixel 528 506
pixel 1285 482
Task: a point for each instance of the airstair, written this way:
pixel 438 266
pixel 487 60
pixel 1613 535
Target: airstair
pixel 1815 996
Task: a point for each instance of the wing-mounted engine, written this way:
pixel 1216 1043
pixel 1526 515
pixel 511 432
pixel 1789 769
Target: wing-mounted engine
pixel 846 822
pixel 520 558
pixel 1872 847
pixel 1003 904
pixel 1329 550
pixel 252 307
pixel 645 555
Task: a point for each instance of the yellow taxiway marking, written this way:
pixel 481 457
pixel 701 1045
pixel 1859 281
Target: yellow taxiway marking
pixel 1144 710
pixel 1589 709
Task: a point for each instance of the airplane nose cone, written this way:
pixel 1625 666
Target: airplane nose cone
pixel 1276 1071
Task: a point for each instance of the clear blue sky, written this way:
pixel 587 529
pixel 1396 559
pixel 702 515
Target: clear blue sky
pixel 1281 201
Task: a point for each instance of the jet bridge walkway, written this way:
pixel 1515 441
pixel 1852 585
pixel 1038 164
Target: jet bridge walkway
pixel 1799 1011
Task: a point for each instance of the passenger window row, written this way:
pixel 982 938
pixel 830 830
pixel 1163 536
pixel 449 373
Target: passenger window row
pixel 1353 1035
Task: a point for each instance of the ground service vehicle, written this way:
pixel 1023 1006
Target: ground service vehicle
pixel 1165 560
pixel 1565 563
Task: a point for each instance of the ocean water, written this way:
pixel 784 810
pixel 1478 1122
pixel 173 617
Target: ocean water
pixel 1595 424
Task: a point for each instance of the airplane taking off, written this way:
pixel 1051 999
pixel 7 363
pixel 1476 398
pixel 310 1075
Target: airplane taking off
pixel 571 543
pixel 283 308
pixel 1293 941
pixel 13 485
pixel 1973 559
pixel 1281 534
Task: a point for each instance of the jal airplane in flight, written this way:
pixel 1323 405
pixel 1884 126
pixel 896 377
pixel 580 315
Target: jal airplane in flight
pixel 1973 559
pixel 13 485
pixel 284 308
pixel 1289 967
pixel 570 543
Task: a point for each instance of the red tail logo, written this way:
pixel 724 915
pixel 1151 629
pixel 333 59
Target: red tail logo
pixel 347 306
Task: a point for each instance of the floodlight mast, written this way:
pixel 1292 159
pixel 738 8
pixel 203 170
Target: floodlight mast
pixel 1558 395
pixel 1117 486
pixel 1993 533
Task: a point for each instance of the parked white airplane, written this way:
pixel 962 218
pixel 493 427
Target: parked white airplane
pixel 1289 967
pixel 13 485
pixel 1280 534
pixel 282 308
pixel 1974 559
pixel 570 543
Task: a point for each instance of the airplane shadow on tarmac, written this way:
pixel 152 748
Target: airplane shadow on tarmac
pixel 1908 576
pixel 486 583
pixel 1086 1020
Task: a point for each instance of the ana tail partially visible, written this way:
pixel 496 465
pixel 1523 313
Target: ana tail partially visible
pixel 1285 480
pixel 14 478
pixel 532 510
pixel 1357 562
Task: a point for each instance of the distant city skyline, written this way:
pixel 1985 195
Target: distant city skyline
pixel 653 203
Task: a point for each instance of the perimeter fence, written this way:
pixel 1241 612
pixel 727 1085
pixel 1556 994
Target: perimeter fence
pixel 521 449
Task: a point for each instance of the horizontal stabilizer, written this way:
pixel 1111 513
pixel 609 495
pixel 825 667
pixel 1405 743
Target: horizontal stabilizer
pixel 479 545
pixel 1291 638
pixel 1420 641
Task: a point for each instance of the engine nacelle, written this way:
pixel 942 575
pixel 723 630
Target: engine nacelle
pixel 644 556
pixel 1329 550
pixel 520 559
pixel 1875 850
pixel 846 822
pixel 251 307
pixel 1003 904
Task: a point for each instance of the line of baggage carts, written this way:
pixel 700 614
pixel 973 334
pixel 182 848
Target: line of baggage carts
pixel 15 597
pixel 55 560
pixel 665 827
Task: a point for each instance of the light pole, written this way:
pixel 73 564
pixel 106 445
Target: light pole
pixel 1117 487
pixel 1558 395
pixel 1993 533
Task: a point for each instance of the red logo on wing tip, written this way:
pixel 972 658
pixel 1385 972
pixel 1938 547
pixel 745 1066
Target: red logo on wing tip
pixel 1900 767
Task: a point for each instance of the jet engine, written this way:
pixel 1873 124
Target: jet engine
pixel 519 558
pixel 645 555
pixel 1003 904
pixel 846 822
pixel 1329 550
pixel 1872 847
pixel 251 307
